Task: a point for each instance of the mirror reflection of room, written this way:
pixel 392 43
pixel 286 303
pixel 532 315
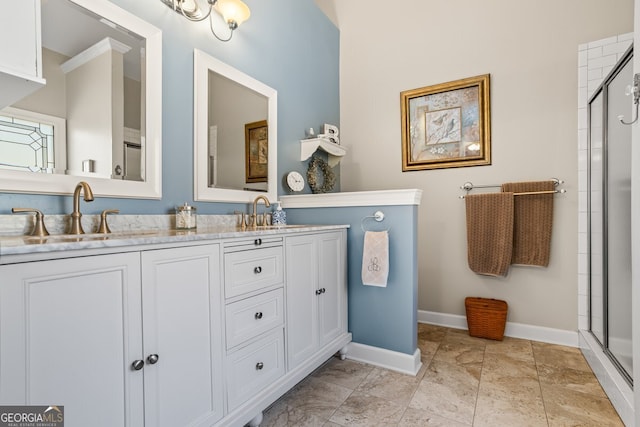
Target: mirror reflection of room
pixel 87 120
pixel 234 151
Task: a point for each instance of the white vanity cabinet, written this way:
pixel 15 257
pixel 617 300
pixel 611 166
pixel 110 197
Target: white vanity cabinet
pixel 316 293
pixel 127 339
pixel 21 53
pixel 193 333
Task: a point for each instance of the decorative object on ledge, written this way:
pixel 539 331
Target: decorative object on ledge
pixel 295 181
pixel 318 165
pixel 309 146
pixel 330 133
pixel 234 12
pixel 446 125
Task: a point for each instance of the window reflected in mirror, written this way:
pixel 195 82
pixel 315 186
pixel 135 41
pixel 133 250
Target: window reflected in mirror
pixel 32 142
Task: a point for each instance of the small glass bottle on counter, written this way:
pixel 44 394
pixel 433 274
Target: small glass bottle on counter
pixel 186 218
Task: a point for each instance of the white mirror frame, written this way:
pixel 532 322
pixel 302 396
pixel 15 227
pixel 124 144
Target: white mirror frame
pixel 202 64
pixel 151 188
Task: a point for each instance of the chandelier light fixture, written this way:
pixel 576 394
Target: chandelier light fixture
pixel 234 12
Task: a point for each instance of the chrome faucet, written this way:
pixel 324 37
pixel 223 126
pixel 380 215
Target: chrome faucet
pixel 76 224
pixel 254 215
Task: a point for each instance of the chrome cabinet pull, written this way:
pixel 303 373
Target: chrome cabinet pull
pixel 258 315
pixel 318 291
pixel 259 366
pixel 257 270
pixel 323 290
pixel 137 364
pixel 153 359
pixel 257 242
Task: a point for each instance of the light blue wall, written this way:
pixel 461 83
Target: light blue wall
pixel 379 317
pixel 289 45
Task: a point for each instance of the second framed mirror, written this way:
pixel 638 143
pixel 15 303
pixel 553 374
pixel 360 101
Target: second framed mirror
pixel 235 134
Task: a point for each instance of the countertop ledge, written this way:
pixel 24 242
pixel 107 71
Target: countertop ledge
pixel 20 245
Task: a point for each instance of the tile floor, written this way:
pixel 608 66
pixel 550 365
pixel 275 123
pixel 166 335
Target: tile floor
pixel 464 381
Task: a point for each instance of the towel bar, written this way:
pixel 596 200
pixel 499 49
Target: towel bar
pixel 468 186
pixel 378 216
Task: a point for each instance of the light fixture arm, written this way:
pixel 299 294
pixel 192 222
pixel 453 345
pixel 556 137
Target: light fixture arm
pixel 196 14
pixel 232 26
pixel 196 19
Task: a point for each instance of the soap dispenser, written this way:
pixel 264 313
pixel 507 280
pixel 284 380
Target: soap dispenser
pixel 279 216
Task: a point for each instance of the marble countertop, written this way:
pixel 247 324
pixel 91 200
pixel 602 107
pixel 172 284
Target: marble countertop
pixel 20 245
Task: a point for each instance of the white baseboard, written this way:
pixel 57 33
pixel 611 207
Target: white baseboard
pixel 388 359
pixel 512 329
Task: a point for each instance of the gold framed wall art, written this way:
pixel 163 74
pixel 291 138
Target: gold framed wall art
pixel 256 137
pixel 447 125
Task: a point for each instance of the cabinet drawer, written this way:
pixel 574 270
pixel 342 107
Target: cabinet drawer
pixel 252 243
pixel 254 316
pixel 252 270
pixel 252 368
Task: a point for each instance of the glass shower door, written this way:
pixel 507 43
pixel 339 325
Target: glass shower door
pixel 618 199
pixel 610 216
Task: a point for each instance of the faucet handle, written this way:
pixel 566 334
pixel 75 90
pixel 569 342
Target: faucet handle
pixel 241 221
pixel 104 227
pixel 39 229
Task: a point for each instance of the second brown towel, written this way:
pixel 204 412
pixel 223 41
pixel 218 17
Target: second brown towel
pixel 533 220
pixel 489 232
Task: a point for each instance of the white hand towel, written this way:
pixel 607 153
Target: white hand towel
pixel 375 258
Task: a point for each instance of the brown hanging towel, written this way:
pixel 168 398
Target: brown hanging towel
pixel 489 232
pixel 533 220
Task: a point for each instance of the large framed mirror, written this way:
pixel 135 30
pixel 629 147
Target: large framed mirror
pixel 98 118
pixel 235 129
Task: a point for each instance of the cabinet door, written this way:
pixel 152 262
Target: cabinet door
pixel 332 282
pixel 21 52
pixel 21 31
pixel 182 326
pixel 302 300
pixel 69 331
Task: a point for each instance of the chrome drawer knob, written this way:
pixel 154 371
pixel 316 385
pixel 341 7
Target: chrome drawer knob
pixel 318 291
pixel 258 315
pixel 153 359
pixel 137 364
pixel 257 270
pixel 257 242
pixel 259 366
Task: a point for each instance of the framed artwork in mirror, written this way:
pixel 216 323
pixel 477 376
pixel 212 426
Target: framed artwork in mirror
pixel 447 125
pixel 256 151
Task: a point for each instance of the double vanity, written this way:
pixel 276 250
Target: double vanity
pixel 169 328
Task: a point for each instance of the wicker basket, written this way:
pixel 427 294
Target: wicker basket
pixel 486 318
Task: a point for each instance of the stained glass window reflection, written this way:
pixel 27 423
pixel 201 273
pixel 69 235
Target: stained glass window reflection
pixel 26 145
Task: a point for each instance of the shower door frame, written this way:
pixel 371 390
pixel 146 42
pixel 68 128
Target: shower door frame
pixel 603 89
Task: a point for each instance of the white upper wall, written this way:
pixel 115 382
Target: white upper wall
pixel 530 50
